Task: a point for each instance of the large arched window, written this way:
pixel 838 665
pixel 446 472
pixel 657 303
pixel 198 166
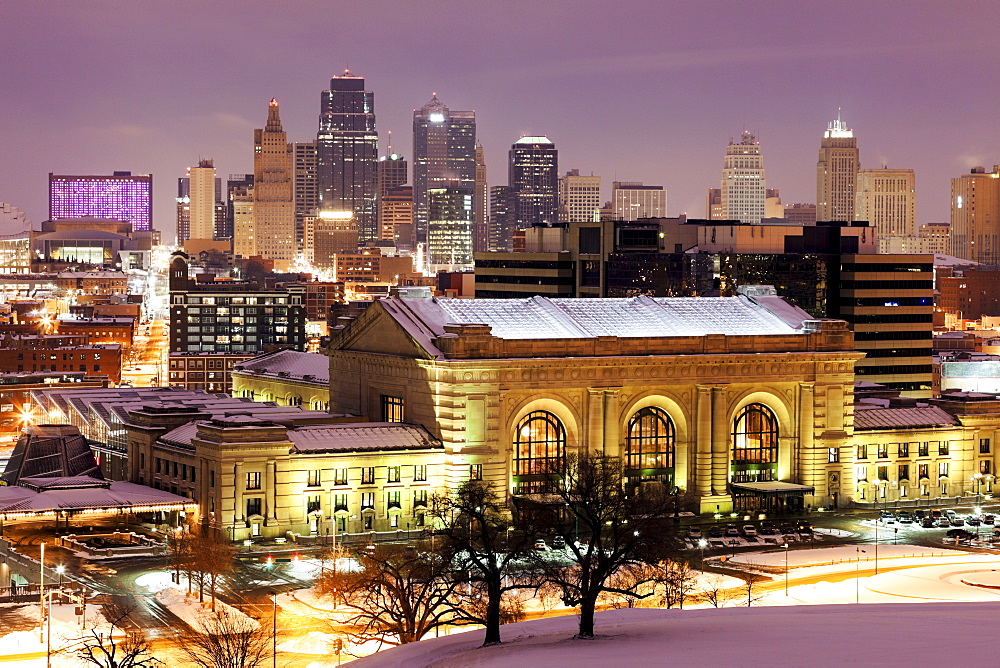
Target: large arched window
pixel 649 447
pixel 539 452
pixel 755 445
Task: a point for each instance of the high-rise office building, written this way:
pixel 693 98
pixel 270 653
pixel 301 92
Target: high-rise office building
pixel 713 204
pixel 501 225
pixel 481 204
pixel 203 194
pixel 183 201
pixel 121 196
pixel 239 197
pixel 304 185
pixel 397 217
pixel 633 200
pixel 744 188
pixel 975 216
pixel 837 173
pixel 801 213
pixel 534 182
pixel 392 173
pixel 444 155
pixel 886 198
pixel 449 228
pixel 273 199
pixel 347 152
pixel 579 197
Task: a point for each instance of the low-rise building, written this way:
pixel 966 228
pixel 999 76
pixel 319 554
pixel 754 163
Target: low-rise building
pixel 286 377
pixel 203 371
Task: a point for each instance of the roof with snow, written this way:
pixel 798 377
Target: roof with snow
pixel 111 496
pixel 545 318
pixel 291 364
pixel 355 437
pixel 871 417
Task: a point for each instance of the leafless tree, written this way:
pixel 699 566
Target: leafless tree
pixel 228 639
pixel 101 649
pixel 489 548
pixel 616 528
pixel 713 590
pixel 214 557
pixel 679 581
pixel 751 586
pixel 398 595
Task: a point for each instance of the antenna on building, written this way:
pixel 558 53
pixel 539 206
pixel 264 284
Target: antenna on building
pixel 389 148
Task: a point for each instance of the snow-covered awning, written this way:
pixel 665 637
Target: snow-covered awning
pixel 774 487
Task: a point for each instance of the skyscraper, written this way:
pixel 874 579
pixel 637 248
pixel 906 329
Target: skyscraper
pixel 203 198
pixel 449 228
pixel 444 155
pixel 347 152
pixel 121 196
pixel 392 173
pixel 239 203
pixel 397 216
pixel 273 235
pixel 501 227
pixel 635 200
pixel 744 188
pixel 579 197
pixel 975 216
pixel 534 182
pixel 480 203
pixel 886 198
pixel 837 173
pixel 304 186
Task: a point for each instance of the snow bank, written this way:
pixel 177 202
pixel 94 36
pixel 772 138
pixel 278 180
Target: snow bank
pixel 822 556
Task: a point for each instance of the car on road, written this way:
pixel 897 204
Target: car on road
pixel 750 531
pixel 804 527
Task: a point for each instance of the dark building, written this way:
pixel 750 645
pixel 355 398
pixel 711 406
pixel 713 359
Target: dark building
pixel 533 178
pixel 233 316
pixel 444 155
pixel 500 226
pixel 347 152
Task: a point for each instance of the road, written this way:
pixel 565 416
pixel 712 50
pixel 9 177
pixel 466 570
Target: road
pixel 152 343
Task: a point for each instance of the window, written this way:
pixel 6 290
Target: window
pixel 420 473
pixel 883 473
pixel 475 471
pixel 539 452
pixel 368 475
pixel 904 449
pixel 861 472
pixel 833 455
pixel 942 447
pixel 339 502
pixel 942 469
pixel 883 450
pixel 924 450
pixel 984 446
pixel 158 462
pixel 392 499
pixel 312 504
pixel 392 408
pixel 862 451
pixel 253 506
pixel 985 467
pixel 419 498
pixel 393 474
pixel 923 471
pixel 193 475
pixel 211 478
pixel 904 472
pixel 755 445
pixel 649 446
pixel 367 500
pixel 944 488
pixel 902 491
pixel 253 480
pixel 340 476
pixel 420 519
pixel 314 479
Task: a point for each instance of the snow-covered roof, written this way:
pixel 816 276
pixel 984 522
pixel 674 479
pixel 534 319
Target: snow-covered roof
pixel 868 417
pixel 305 367
pixel 116 495
pixel 545 318
pixel 360 437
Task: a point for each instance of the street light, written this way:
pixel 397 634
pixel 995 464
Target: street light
pixel 786 568
pixel 857 574
pixel 702 543
pixel 60 569
pixel 274 629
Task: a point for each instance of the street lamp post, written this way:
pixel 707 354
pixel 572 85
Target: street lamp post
pixel 702 543
pixel 786 568
pixel 857 574
pixel 274 629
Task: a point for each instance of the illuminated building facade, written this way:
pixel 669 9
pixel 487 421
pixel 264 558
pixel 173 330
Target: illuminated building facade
pixel 273 228
pixel 533 177
pixel 975 216
pixel 744 188
pixel 347 152
pixel 579 197
pixel 635 200
pixel 121 196
pixel 887 199
pixel 449 228
pixel 837 173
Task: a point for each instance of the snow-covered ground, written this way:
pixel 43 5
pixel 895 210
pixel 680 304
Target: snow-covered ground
pixel 27 648
pixel 823 556
pixel 186 606
pixel 887 635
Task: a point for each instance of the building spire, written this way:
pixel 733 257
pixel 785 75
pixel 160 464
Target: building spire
pixel 273 117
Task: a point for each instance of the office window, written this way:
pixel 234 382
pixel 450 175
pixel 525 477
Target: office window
pixel 862 451
pixel 925 449
pixel 367 500
pixel 419 498
pixel 923 471
pixel 339 502
pixel 475 472
pixel 211 478
pixel 340 476
pixel 942 469
pixel 984 446
pixel 392 408
pixel 312 504
pixel 942 447
pixel 883 473
pixel 253 480
pixel 392 499
pixel 985 467
pixel 253 506
pixel 393 474
pixel 904 472
pixel 368 475
pixel 904 449
pixel 833 455
pixel 420 473
pixel 883 450
pixel 158 462
pixel 314 478
pixel 861 472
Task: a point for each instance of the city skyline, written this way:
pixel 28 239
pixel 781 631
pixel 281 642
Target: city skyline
pixel 641 103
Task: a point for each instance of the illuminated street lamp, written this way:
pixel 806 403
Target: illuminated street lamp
pixel 786 568
pixel 702 543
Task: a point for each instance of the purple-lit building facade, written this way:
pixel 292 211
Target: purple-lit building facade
pixel 121 196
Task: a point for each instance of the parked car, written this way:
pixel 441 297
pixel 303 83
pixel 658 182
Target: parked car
pixel 694 532
pixel 919 515
pixel 989 519
pixel 904 517
pixel 885 517
pixel 768 530
pixel 715 532
pixel 788 528
pixel 732 531
pixel 942 523
pixel 559 543
pixel 956 521
pixel 540 544
pixel 973 521
pixel 804 527
pixel 960 534
pixel 927 523
pixel 935 514
pixel 750 531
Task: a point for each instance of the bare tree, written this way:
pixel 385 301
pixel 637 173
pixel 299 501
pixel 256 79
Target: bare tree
pixel 713 590
pixel 489 548
pixel 679 581
pixel 100 649
pixel 228 639
pixel 751 586
pixel 399 594
pixel 619 528
pixel 213 558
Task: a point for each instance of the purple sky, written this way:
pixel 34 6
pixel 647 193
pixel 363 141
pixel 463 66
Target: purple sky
pixel 646 91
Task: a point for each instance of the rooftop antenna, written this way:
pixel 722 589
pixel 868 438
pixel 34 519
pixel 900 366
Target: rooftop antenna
pixel 389 149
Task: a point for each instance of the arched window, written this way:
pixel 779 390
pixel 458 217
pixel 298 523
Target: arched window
pixel 755 445
pixel 649 447
pixel 539 452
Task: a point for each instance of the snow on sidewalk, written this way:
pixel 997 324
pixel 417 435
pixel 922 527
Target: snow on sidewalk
pixel 824 556
pixel 186 606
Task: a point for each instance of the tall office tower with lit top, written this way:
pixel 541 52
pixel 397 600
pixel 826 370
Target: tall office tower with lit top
pixel 837 173
pixel 744 189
